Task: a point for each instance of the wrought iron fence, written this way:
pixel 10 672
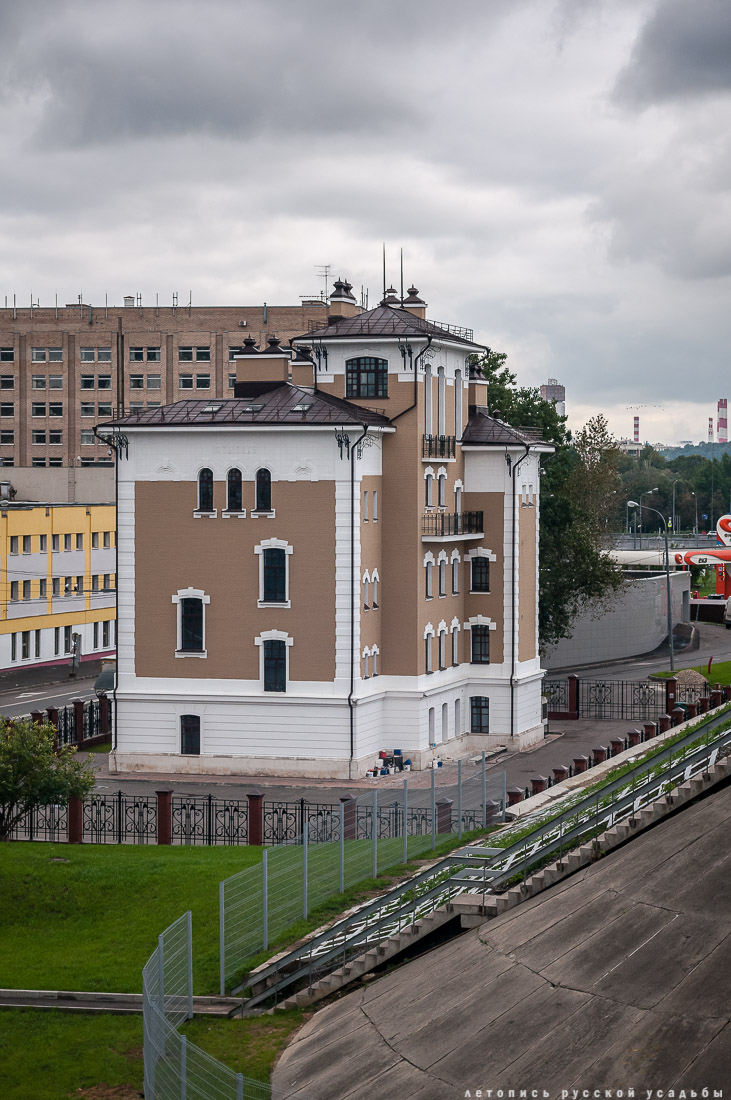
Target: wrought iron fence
pixel 633 699
pixel 557 694
pixel 209 820
pixel 120 818
pixel 42 823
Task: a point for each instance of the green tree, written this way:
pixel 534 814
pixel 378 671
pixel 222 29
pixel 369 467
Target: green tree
pixel 33 774
pixel 574 574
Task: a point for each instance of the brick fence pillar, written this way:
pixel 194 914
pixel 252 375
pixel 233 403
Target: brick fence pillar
pixel 37 716
pixel 617 744
pixel 560 773
pixel 671 693
pixel 573 696
pixel 599 754
pixel 104 708
pixel 444 815
pixel 349 816
pixel 256 817
pixel 75 820
pixel 491 808
pixel 664 722
pixel 165 816
pixel 581 763
pixel 650 730
pixel 634 737
pixel 78 705
pixel 716 697
pixel 515 795
pixel 703 704
pixel 678 715
pixel 539 784
pixel 727 695
pixel 691 710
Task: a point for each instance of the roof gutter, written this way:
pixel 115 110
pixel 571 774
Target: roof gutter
pixel 514 578
pixel 351 704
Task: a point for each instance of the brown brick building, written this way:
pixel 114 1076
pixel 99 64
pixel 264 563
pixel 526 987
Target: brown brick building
pixel 64 370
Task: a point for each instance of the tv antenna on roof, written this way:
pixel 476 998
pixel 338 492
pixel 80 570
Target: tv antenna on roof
pixel 323 270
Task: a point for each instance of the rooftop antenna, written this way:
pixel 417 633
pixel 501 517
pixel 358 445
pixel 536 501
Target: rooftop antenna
pixel 190 301
pixel 15 310
pixel 31 303
pixel 323 270
pixel 402 276
pixel 57 306
pixel 106 304
pixel 384 269
pixel 175 299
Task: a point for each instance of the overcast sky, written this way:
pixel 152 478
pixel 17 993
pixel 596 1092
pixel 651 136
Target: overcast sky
pixel 556 171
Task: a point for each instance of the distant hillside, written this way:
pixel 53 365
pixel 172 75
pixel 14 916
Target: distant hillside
pixel 708 450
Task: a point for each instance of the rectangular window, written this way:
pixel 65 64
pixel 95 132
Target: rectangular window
pixel 56 462
pixel 67 639
pixel 231 381
pixel 96 636
pixel 442 578
pixel 153 355
pixel 55 408
pixel 26 590
pixel 38 438
pixel 442 649
pixel 136 381
pixel 55 355
pixel 38 462
pixel 202 355
pixel 79 540
pixel 94 540
pixel 7 437
pixel 105 634
pixel 375 506
pixel 136 406
pixel 480 575
pixel 55 542
pixel 104 408
pixel 86 381
pixel 42 587
pixel 153 382
pixel 14 590
pixel 55 438
pixel 185 382
pixel 26 544
pixel 56 586
pixel 13 647
pixel 191 625
pixel 88 408
pixel 67 542
pixel 455 646
pixel 365 506
pixel 7 355
pixel 480 644
pixel 106 582
pixel 38 644
pixel 95 583
pixel 136 355
pixel 79 586
pixel 86 355
pixel 7 382
pixel 88 439
pixel 43 544
pixel 55 381
pixel 104 355
pixel 104 381
pixel 232 351
pixel 428 587
pixel 455 576
pixel 7 408
pixel 427 653
pixel 203 381
pixel 190 735
pixel 56 640
pixel 25 645
pixel 107 538
pixel 38 355
pixel 479 714
pixel 275 665
pixel 13 544
pixel 68 586
pixel 38 382
pixel 185 355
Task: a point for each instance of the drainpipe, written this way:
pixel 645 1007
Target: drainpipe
pixel 514 553
pixel 351 705
pixel 408 408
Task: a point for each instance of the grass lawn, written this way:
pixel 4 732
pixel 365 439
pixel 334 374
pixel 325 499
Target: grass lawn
pixel 51 1055
pixel 720 672
pixel 88 917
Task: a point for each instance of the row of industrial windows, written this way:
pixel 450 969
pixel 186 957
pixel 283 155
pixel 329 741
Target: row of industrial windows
pixel 71 541
pixel 441 480
pixel 26 645
pixel 234 491
pixel 479 574
pixel 137 354
pixel 479 647
pixel 60 586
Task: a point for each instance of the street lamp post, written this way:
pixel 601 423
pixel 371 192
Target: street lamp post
pixel 695 529
pixel 640 506
pixel 634 504
pixel 677 479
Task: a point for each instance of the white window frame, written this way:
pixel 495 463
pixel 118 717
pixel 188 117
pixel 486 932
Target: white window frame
pixel 189 594
pixel 458 491
pixel 375 651
pixel 365 506
pixel 441 487
pixel 479 552
pixel 442 645
pixel 365 585
pixel 274 636
pixel 442 574
pixel 273 544
pixel 428 576
pixel 429 649
pixel 375 581
pixel 429 488
pixel 365 656
pixel 454 631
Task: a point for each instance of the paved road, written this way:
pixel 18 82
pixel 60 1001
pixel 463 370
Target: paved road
pixel 715 642
pixel 618 978
pixel 20 701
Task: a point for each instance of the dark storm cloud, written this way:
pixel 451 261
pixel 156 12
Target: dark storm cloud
pixel 684 50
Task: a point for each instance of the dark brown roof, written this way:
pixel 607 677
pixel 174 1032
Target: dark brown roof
pixel 386 321
pixel 275 406
pixel 484 429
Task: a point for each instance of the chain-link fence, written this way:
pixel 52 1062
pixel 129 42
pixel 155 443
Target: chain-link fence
pixel 259 904
pixel 176 1069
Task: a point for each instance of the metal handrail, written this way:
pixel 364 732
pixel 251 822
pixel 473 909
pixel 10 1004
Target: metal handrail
pixel 504 865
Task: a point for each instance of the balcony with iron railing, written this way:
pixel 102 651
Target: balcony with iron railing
pixel 441 526
pixel 438 446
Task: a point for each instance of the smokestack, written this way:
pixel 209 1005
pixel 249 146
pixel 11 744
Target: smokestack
pixel 722 433
pixel 710 429
pixel 637 429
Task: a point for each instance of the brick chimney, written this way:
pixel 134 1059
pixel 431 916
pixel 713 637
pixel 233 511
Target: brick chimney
pixel 414 304
pixel 302 368
pixel 342 302
pixel 259 371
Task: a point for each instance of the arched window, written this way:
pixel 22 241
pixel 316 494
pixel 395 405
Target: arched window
pixel 374 660
pixel 455 644
pixel 366 601
pixel 205 490
pixel 455 572
pixel 480 644
pixel 441 397
pixel 275 575
pixel 374 588
pixel 429 489
pixel 427 400
pixel 275 665
pixel 428 579
pixel 442 489
pixel 480 574
pixel 366 377
pixel 458 404
pixel 234 499
pixel 190 734
pixel 443 648
pixel 191 629
pixel 263 491
pixel 442 574
pixel 458 496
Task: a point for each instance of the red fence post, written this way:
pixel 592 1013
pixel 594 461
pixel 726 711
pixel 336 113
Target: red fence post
pixel 515 795
pixel 573 696
pixel 691 710
pixel 727 695
pixel 634 737
pixel 650 729
pixel 560 772
pixel 78 705
pixel 664 722
pixel 165 816
pixel 256 818
pixel 599 754
pixel 75 820
pixel 104 714
pixel 678 715
pixel 581 763
pixel 538 784
pixel 444 815
pixel 671 694
pixel 37 716
pixel 716 697
pixel 348 803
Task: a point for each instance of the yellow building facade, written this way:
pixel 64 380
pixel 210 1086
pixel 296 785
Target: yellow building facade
pixel 57 583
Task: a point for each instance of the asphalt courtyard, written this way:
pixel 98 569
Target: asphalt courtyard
pixel 617 978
